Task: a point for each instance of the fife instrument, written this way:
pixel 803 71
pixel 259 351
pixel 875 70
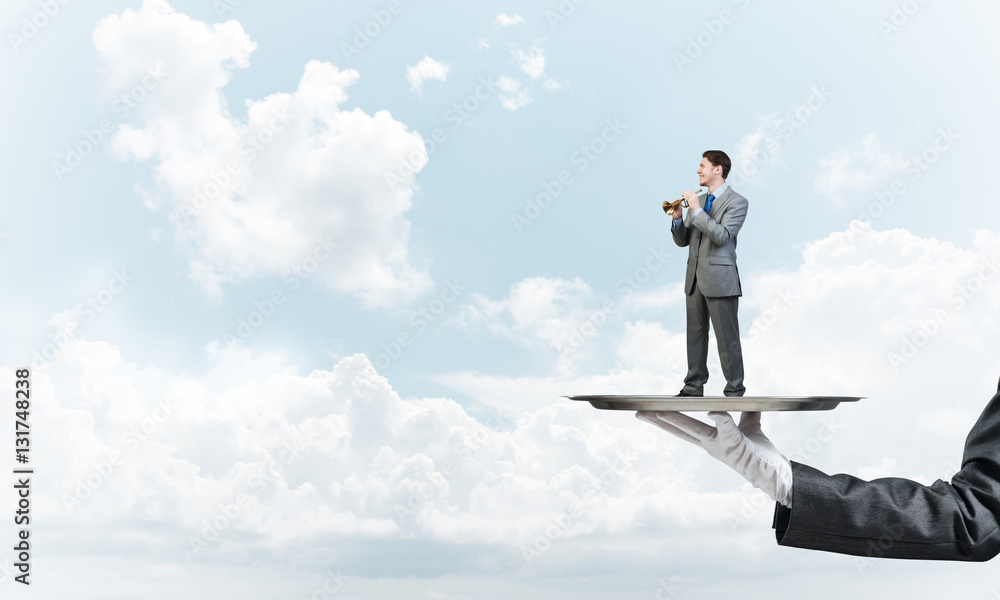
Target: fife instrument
pixel 668 206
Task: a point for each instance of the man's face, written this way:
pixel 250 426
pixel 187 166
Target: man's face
pixel 707 171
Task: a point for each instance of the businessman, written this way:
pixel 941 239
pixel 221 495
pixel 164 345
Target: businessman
pixel 712 281
pixel 883 518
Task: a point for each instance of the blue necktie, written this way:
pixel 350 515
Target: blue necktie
pixel 708 203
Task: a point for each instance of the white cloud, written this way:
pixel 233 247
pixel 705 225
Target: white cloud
pixel 335 462
pixel 761 149
pixel 531 62
pixel 503 21
pixel 555 314
pixel 252 457
pixel 428 68
pixel 298 179
pixel 512 95
pixel 857 170
pixel 882 314
pixel 764 148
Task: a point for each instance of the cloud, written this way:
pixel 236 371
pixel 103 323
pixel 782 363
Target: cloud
pixel 857 170
pixel 554 314
pixel 512 95
pixel 761 149
pixel 764 148
pixel 299 179
pixel 856 318
pixel 428 68
pixel 253 458
pixel 531 62
pixel 503 21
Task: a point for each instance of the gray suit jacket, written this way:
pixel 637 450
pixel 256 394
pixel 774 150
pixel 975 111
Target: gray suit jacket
pixel 711 241
pixel 899 518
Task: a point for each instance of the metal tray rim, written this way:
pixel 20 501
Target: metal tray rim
pixel 713 403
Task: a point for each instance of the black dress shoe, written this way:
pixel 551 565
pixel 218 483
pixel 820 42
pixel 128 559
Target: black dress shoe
pixel 685 394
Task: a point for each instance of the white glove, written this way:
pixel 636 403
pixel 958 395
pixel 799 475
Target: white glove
pixel 745 448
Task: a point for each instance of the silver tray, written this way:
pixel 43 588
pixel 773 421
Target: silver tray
pixel 720 403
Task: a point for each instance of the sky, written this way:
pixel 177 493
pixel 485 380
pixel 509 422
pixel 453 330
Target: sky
pixel 301 286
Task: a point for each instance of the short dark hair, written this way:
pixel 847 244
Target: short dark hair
pixel 719 159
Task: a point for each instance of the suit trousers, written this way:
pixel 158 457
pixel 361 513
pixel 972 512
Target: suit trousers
pixel 721 312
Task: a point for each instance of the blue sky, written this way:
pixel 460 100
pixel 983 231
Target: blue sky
pixel 436 228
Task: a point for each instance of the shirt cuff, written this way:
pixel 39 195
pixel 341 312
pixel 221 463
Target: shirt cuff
pixel 676 224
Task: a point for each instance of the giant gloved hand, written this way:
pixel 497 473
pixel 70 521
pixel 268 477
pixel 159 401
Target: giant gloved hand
pixel 745 448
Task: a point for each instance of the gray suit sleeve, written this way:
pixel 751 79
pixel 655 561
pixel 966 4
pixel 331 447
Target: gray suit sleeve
pixel 723 231
pixel 900 518
pixel 682 236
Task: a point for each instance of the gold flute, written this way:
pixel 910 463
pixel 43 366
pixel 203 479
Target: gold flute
pixel 668 206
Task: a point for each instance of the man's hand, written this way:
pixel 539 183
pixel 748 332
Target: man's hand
pixel 678 212
pixel 745 448
pixel 693 202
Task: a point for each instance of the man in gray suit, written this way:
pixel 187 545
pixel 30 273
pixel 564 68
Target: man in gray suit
pixel 712 281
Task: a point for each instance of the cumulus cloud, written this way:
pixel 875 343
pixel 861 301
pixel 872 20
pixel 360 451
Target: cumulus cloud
pixel 513 95
pixel 858 169
pixel 428 68
pixel 882 314
pixel 252 457
pixel 503 21
pixel 298 179
pixel 764 148
pixel 531 62
pixel 555 314
pixel 761 149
